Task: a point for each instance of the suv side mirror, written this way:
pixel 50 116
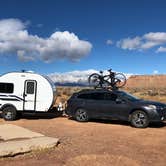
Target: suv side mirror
pixel 119 101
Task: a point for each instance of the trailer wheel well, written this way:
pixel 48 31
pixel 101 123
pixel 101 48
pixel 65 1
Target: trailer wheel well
pixel 9 112
pixel 8 105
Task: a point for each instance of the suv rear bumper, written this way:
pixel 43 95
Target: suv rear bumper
pixel 68 111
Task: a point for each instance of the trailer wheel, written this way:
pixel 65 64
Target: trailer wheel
pixel 9 113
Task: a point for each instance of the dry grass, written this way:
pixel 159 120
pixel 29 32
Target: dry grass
pixel 149 94
pixel 64 93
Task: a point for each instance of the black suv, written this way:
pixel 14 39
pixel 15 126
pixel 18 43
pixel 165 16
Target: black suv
pixel 105 104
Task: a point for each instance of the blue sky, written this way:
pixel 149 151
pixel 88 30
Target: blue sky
pixel 128 36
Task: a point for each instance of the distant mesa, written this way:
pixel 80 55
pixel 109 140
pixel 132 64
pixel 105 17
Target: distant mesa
pixel 71 84
pixel 146 81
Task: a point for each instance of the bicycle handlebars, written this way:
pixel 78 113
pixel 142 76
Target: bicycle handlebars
pixel 110 70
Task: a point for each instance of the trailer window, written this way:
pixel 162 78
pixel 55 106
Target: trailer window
pixel 30 88
pixel 6 88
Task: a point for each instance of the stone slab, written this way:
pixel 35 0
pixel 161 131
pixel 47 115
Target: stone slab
pixel 12 148
pixel 10 131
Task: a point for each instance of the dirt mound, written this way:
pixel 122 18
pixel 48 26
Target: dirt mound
pixel 101 160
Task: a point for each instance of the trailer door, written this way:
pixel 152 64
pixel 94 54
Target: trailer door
pixel 30 89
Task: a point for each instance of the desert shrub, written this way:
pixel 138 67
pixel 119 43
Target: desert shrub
pixel 67 91
pixel 58 93
pixel 153 92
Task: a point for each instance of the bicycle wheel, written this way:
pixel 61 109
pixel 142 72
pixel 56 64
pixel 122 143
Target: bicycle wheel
pixel 94 80
pixel 119 80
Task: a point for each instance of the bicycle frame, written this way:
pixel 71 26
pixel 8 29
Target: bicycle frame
pixel 110 76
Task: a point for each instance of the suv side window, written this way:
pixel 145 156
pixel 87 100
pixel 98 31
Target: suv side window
pixel 84 96
pixel 92 96
pixel 97 96
pixel 111 96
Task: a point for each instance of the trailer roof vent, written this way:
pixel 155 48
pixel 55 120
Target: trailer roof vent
pixel 27 71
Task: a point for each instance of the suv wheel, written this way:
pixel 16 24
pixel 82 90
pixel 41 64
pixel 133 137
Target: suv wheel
pixel 81 115
pixel 139 119
pixel 9 113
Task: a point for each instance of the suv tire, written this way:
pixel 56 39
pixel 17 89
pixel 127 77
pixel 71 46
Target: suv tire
pixel 9 113
pixel 139 119
pixel 81 115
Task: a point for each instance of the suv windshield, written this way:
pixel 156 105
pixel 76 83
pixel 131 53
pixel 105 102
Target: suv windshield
pixel 128 96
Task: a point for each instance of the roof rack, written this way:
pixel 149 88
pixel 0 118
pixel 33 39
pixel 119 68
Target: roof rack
pixel 97 89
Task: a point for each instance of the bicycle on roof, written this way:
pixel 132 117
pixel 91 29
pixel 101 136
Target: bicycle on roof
pixel 112 80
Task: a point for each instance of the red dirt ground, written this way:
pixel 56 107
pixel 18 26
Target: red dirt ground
pixel 95 143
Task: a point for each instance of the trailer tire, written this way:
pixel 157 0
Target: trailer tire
pixel 9 113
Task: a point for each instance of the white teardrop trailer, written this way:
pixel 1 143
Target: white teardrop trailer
pixel 25 92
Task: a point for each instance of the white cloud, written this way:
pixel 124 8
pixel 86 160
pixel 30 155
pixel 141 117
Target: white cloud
pixel 15 39
pixel 129 43
pixel 109 42
pixel 23 57
pixel 10 26
pixel 158 37
pixel 147 41
pixel 72 77
pixel 77 76
pixel 161 49
pixel 155 72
